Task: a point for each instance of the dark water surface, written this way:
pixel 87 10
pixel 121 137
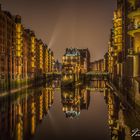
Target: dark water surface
pixel 89 112
pixel 91 123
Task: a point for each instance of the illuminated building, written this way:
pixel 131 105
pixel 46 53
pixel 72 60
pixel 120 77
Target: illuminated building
pixel 84 60
pixel 19 48
pixel 45 59
pixel 26 44
pixel 50 61
pixel 57 66
pixel 123 57
pixel 106 62
pixel 7 45
pixel 134 51
pixel 74 63
pixel 29 53
pixel 23 57
pixel 110 56
pixel 98 65
pixel 118 44
pixel 39 58
pixel 118 41
pixel 71 67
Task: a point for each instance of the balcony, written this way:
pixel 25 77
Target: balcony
pixel 133 29
pixel 132 2
pixel 134 13
pixel 131 52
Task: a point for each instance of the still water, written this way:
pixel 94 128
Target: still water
pixel 89 112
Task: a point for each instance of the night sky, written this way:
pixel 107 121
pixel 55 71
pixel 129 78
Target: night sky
pixel 67 23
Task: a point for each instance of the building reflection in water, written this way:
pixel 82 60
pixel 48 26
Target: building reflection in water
pixel 96 85
pixel 21 113
pixel 74 100
pixel 121 119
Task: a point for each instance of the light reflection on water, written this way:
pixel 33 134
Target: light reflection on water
pixel 91 111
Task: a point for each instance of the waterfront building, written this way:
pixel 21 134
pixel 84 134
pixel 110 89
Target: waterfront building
pixel 84 60
pixel 45 59
pixel 116 55
pixel 74 63
pixel 134 51
pixel 57 66
pixel 29 53
pixel 106 60
pixel 123 59
pixel 110 56
pixel 7 45
pixel 23 57
pixel 71 65
pixel 118 44
pixel 118 41
pixel 19 48
pixel 26 44
pixel 50 61
pixel 39 58
pixel 98 65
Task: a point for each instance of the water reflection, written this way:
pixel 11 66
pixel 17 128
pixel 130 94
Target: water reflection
pixel 121 119
pixel 23 112
pixel 74 100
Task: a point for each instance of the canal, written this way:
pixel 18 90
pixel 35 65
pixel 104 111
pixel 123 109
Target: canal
pixel 91 112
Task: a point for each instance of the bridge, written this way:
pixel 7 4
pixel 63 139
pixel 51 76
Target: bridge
pixel 91 75
pixel 94 75
pixel 53 73
pixel 97 73
pixel 96 89
pixel 88 73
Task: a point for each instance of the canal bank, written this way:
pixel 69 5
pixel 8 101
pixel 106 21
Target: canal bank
pixel 124 99
pixel 19 86
pixel 75 114
pixel 91 111
pixel 129 116
pixel 48 112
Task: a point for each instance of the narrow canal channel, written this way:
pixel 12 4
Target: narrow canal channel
pixel 89 112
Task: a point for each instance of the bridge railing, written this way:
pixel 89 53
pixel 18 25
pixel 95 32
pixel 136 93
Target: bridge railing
pixel 96 73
